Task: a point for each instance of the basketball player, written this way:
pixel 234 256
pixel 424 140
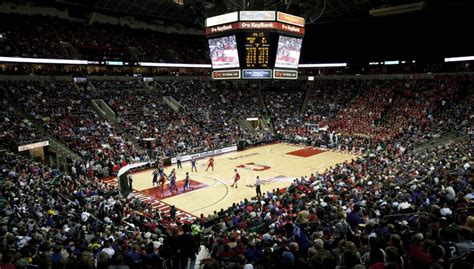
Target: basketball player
pixel 172 178
pixel 162 181
pixel 210 164
pixel 193 164
pixel 155 178
pixel 187 183
pixel 236 178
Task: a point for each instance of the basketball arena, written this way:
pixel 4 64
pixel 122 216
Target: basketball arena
pixel 245 134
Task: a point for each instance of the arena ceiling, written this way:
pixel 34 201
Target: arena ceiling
pixel 195 11
pixel 337 30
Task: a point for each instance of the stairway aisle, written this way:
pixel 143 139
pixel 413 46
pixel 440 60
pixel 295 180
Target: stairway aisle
pixel 55 145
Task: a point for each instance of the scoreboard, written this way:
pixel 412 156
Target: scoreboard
pixel 255 45
pixel 257 49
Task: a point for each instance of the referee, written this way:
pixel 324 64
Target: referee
pixel 178 160
pixel 258 183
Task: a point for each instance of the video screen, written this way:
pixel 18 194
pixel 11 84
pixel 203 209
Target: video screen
pixel 223 51
pixel 288 52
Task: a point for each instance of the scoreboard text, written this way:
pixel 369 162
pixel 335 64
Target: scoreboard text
pixel 257 47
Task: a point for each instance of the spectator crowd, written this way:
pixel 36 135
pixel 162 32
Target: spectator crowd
pixel 67 114
pixel 15 129
pixel 48 37
pixel 394 207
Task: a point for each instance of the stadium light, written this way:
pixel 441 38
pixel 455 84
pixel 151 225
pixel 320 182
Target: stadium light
pixel 391 62
pixel 146 64
pixel 174 65
pixel 323 65
pixel 40 60
pixel 395 10
pixel 459 59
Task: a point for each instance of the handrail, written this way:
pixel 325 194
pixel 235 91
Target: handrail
pixel 456 212
pixel 400 215
pixel 53 181
pixel 463 208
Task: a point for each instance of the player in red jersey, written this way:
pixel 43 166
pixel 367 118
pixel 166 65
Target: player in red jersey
pixel 236 178
pixel 162 180
pixel 210 164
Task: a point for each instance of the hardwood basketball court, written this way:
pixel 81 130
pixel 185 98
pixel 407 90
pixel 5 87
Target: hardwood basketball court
pixel 277 165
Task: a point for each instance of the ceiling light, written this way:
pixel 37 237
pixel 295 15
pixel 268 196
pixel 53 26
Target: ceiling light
pixel 395 10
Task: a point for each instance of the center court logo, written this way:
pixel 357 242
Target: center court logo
pixel 254 166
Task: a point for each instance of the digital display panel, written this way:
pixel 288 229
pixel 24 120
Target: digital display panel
pixel 221 19
pixel 288 52
pixel 226 74
pixel 223 52
pixel 285 74
pixel 257 15
pixel 255 45
pixel 256 73
pixel 257 50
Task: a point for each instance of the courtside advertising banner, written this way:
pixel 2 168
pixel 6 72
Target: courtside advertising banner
pixel 205 154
